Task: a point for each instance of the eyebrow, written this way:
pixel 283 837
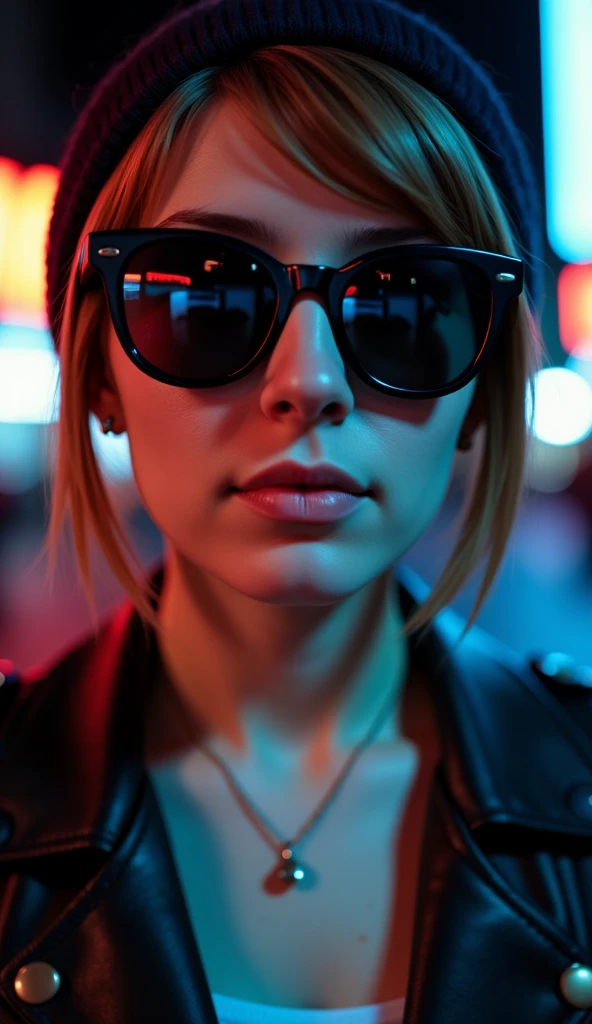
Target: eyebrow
pixel 265 234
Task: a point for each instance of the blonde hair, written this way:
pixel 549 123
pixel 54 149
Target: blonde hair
pixel 375 136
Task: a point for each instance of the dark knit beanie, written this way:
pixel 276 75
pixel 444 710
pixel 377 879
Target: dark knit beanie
pixel 223 31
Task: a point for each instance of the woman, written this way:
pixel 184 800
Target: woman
pixel 277 246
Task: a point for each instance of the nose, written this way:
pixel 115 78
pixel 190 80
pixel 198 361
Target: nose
pixel 306 375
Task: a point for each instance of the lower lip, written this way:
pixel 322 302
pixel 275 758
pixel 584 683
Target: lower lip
pixel 302 506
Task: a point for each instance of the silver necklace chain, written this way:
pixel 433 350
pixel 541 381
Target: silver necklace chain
pixel 289 871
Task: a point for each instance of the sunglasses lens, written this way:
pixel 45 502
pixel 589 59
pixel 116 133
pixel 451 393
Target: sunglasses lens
pixel 197 310
pixel 417 323
pixel 202 310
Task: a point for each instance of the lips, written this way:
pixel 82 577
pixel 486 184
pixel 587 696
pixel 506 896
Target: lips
pixel 318 477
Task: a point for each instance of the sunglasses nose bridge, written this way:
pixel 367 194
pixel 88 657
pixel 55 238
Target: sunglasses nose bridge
pixel 307 277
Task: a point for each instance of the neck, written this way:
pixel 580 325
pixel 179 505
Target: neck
pixel 273 685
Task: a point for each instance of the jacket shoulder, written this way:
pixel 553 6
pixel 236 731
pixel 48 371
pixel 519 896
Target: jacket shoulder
pixel 498 675
pixel 49 679
pixel 492 670
pixel 561 673
pixel 19 686
pixel 10 685
pixel 15 687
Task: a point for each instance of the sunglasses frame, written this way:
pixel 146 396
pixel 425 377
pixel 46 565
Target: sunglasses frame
pixel 106 254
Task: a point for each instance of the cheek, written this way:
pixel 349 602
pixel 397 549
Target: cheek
pixel 171 445
pixel 421 460
pixel 417 484
pixel 171 452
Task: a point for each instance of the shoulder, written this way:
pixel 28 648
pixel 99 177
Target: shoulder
pixel 558 670
pixel 491 673
pixel 18 687
pixel 481 654
pixel 569 684
pixel 529 690
pixel 10 686
pixel 59 683
pixel 9 677
pixel 561 672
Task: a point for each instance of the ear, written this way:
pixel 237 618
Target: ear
pixel 103 394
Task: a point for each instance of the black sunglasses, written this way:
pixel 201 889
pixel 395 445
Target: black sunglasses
pixel 198 309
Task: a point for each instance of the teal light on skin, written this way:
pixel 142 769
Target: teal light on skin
pixel 566 66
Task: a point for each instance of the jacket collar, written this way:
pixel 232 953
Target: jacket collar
pixel 73 762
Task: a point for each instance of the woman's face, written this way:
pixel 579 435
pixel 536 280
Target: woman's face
pixel 188 446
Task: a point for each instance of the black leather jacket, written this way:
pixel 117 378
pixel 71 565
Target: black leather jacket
pixel 93 924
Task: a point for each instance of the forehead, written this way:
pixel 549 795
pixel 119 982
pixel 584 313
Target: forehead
pixel 230 168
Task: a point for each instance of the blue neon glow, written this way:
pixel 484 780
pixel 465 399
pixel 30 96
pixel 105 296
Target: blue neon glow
pixel 566 67
pixel 562 406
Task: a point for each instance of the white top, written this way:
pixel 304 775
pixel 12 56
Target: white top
pixel 238 1011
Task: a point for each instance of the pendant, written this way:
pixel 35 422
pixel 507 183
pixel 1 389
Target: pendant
pixel 288 875
pixel 290 871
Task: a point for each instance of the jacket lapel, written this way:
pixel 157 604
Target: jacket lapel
pixel 502 729
pixel 72 779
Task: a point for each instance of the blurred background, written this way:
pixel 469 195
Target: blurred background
pixel 538 52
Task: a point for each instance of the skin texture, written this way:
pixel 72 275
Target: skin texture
pixel 283 636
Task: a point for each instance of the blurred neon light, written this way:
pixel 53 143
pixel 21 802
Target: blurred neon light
pixel 563 406
pixel 9 177
pixel 566 65
pixel 27 384
pixel 28 376
pixel 551 467
pixel 574 303
pixel 581 366
pixel 26 200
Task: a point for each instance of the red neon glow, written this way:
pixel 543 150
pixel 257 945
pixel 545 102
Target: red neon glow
pixel 26 200
pixel 156 276
pixel 574 303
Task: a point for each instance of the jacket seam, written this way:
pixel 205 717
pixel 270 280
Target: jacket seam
pixel 53 836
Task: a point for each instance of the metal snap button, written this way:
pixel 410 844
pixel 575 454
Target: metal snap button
pixel 36 982
pixel 562 669
pixel 6 669
pixel 576 986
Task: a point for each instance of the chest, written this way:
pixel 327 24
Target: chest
pixel 343 938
